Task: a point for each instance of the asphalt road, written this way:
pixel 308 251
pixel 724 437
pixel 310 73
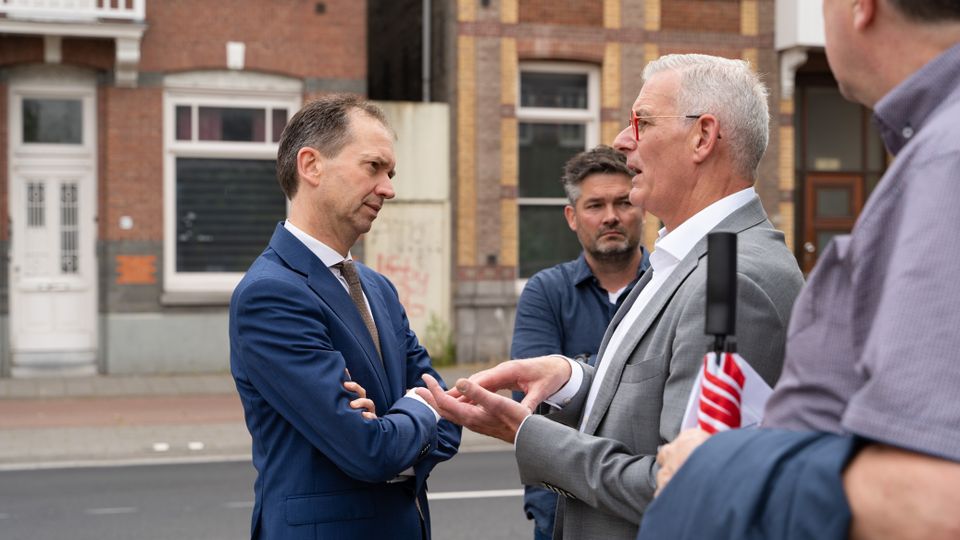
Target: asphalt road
pixel 474 496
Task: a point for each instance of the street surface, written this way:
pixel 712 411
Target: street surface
pixel 476 495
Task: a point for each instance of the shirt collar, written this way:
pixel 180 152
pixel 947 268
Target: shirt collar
pixel 904 110
pixel 672 246
pixel 582 272
pixel 325 253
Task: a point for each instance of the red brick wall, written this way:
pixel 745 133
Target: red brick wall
pixel 588 13
pixel 131 154
pixel 20 49
pixel 91 53
pixel 701 15
pixel 287 37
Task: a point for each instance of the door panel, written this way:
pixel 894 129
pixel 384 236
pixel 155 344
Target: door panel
pixel 53 268
pixel 833 204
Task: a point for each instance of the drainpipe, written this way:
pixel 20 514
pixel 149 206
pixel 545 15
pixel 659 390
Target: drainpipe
pixel 426 51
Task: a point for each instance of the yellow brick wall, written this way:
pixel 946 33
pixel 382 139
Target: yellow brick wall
pixel 749 18
pixel 466 10
pixel 611 13
pixel 508 11
pixel 651 15
pixel 466 150
pixel 610 93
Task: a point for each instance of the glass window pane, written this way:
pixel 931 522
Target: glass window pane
pixel 53 121
pixel 544 149
pixel 232 124
pixel 834 134
pixel 876 152
pixel 226 210
pixel 824 238
pixel 69 229
pixel 554 90
pixel 279 122
pixel 872 180
pixel 833 202
pixel 184 122
pixel 35 204
pixel 545 239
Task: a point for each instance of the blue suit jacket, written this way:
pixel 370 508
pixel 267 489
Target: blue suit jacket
pixel 757 484
pixel 323 469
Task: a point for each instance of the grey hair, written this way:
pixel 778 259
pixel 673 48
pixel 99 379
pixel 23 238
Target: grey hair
pixel 731 91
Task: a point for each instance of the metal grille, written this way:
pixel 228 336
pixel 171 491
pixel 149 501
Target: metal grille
pixel 69 231
pixel 35 204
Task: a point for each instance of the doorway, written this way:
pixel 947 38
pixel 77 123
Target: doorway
pixel 52 199
pixel 840 158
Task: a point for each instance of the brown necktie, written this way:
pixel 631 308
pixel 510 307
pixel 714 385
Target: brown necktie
pixel 349 272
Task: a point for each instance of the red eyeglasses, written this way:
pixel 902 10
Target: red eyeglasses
pixel 635 120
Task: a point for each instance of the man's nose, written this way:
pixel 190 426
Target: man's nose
pixel 385 189
pixel 624 141
pixel 610 215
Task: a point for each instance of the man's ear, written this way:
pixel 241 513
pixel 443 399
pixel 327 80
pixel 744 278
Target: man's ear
pixel 705 137
pixel 864 12
pixel 570 213
pixel 309 165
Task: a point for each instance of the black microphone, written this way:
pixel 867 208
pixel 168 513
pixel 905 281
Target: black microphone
pixel 722 289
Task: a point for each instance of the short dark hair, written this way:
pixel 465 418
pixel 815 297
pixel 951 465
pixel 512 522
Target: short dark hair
pixel 930 11
pixel 600 160
pixel 323 124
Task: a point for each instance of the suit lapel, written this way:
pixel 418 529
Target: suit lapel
pixel 745 217
pixel 330 291
pixel 618 358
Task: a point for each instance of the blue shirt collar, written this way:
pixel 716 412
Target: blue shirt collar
pixel 582 272
pixel 904 110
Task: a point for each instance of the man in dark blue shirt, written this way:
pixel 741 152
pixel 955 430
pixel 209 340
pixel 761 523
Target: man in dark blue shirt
pixel 566 309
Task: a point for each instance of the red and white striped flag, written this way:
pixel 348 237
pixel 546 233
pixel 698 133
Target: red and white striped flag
pixel 721 393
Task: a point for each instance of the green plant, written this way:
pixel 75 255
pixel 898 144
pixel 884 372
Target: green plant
pixel 438 340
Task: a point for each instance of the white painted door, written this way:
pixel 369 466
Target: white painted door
pixel 53 267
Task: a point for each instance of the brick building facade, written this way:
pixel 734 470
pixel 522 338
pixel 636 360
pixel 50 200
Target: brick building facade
pixel 533 76
pixel 116 122
pixel 150 106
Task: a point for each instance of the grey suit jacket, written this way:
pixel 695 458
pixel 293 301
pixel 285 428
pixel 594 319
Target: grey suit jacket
pixel 607 474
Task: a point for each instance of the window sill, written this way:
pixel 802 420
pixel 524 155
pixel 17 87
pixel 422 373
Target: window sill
pixel 192 298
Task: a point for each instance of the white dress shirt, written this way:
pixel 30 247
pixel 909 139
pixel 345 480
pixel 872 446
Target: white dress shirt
pixel 330 257
pixel 669 249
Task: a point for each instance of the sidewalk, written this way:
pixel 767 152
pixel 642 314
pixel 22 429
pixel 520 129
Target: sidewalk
pixel 104 420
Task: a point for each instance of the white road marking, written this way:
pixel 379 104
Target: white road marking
pixel 244 505
pixel 161 446
pixel 195 445
pixel 110 511
pixel 487 494
pixel 122 462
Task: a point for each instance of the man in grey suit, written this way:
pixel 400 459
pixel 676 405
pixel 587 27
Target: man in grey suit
pixel 698 130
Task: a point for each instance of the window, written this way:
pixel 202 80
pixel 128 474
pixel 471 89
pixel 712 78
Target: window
pixel 558 116
pixel 221 197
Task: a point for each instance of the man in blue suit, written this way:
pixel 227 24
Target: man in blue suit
pixel 305 319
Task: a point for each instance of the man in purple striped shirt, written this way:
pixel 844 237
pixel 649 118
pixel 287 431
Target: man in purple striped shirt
pixel 873 349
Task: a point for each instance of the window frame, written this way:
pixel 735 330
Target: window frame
pixel 255 91
pixel 589 117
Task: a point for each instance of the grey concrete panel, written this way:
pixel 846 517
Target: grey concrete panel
pixel 148 343
pixel 116 298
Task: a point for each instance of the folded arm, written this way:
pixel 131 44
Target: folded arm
pixel 286 352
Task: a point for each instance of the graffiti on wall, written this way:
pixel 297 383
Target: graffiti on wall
pixel 408 244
